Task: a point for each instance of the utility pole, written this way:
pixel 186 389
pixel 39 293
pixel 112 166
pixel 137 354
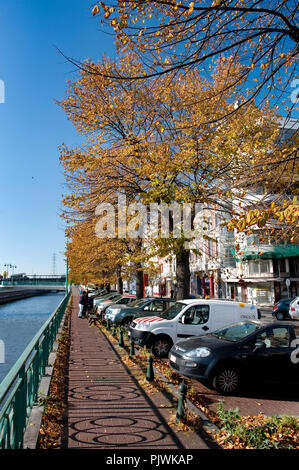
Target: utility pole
pixel 54 264
pixel 67 276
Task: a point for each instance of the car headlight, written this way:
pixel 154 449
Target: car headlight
pixel 114 312
pixel 199 352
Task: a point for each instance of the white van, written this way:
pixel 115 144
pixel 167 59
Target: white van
pixel 187 318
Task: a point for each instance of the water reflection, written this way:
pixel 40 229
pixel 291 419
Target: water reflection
pixel 20 321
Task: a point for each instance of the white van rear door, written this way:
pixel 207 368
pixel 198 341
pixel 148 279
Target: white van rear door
pixel 196 321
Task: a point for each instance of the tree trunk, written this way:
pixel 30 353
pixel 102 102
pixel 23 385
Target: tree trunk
pixel 183 275
pixel 139 283
pixel 119 281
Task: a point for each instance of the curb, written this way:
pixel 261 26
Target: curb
pixel 32 431
pixel 31 434
pixel 207 424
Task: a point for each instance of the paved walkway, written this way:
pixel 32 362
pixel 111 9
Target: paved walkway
pixel 107 408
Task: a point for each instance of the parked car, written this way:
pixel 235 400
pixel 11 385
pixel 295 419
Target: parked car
pixel 123 315
pixel 97 293
pixel 186 318
pixel 281 309
pixel 98 300
pixel 227 358
pixel 123 300
pixel 106 302
pixel 294 309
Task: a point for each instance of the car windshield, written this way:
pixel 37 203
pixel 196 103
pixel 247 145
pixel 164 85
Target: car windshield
pixel 124 300
pixel 236 332
pixel 106 296
pixel 139 303
pixel 111 296
pixel 173 311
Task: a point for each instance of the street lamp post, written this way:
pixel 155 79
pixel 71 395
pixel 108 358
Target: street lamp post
pixel 9 266
pixel 67 276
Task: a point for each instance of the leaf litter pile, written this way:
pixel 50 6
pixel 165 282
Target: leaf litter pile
pixel 53 421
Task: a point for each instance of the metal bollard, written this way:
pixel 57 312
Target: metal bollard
pixel 113 332
pixel 121 339
pixel 181 402
pixel 150 370
pixel 132 349
pixel 108 324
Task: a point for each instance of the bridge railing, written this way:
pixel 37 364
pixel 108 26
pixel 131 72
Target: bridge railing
pixel 33 282
pixel 19 389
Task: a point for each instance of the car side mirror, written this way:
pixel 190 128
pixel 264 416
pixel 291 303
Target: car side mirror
pixel 182 319
pixel 259 345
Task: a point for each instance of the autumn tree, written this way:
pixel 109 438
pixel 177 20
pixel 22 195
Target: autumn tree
pixel 92 260
pixel 176 35
pixel 164 140
pixel 172 36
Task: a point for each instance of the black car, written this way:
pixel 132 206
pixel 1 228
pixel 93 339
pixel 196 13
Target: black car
pixel 227 358
pixel 281 309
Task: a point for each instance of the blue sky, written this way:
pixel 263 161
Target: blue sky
pixel 32 127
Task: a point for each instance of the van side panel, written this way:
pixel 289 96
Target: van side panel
pixel 247 313
pixel 222 315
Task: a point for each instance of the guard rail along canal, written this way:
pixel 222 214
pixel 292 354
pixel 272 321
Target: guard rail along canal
pixel 19 389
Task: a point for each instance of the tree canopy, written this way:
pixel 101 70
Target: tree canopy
pixel 175 35
pixel 160 140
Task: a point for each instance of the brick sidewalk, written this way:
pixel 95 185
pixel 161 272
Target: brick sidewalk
pixel 107 408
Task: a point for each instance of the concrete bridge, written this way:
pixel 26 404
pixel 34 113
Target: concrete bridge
pixel 12 292
pixel 35 280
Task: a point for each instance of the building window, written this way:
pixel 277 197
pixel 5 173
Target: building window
pixel 261 266
pixel 265 266
pixel 283 265
pixel 253 267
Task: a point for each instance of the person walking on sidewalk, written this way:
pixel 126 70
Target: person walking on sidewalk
pixel 86 302
pixel 82 304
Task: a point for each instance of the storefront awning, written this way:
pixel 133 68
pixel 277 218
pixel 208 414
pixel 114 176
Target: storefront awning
pixel 267 252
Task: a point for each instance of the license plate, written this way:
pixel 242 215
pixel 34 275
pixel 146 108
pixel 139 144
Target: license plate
pixel 172 358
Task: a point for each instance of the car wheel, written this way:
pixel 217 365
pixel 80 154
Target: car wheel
pixel 161 347
pixel 227 380
pixel 279 316
pixel 127 322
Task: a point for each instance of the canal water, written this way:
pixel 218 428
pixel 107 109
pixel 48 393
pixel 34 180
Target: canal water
pixel 19 322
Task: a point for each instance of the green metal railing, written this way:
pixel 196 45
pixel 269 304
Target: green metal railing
pixel 34 282
pixel 19 389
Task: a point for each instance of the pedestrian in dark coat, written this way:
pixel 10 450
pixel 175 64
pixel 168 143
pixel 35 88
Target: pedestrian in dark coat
pixel 82 304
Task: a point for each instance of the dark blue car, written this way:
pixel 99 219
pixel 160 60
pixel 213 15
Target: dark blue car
pixel 245 351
